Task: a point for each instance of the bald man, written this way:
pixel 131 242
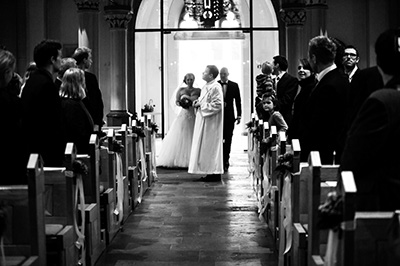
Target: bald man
pixel 231 93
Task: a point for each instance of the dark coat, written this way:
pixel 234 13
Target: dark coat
pixel 13 162
pixel 94 99
pixel 371 152
pixel 324 118
pixel 77 123
pixel 286 90
pixel 41 119
pixel 299 106
pixel 362 86
pixel 232 95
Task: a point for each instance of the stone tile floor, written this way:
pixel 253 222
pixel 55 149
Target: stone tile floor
pixel 181 222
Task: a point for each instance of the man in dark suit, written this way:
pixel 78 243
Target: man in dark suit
pixel 364 84
pixel 325 111
pixel 94 100
pixel 231 93
pixel 373 139
pixel 41 105
pixel 286 87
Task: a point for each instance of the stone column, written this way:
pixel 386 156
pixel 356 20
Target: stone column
pixel 294 16
pixel 118 17
pixel 316 18
pixel 88 33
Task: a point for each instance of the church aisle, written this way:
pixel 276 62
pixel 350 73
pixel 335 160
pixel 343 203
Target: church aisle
pixel 181 222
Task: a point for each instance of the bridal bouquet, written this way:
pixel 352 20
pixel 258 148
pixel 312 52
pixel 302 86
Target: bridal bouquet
pixel 185 103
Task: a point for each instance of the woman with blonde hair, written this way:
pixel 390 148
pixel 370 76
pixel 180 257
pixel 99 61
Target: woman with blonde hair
pixel 78 124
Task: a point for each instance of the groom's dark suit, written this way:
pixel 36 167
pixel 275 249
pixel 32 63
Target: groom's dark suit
pixel 232 93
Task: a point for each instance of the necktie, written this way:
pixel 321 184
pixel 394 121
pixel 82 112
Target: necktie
pixel 224 87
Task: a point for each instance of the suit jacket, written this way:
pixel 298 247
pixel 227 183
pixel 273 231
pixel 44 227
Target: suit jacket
pixel 94 100
pixel 364 83
pixel 324 118
pixel 286 90
pixel 371 152
pixel 232 94
pixel 41 118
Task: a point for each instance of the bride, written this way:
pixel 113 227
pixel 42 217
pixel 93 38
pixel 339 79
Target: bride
pixel 175 148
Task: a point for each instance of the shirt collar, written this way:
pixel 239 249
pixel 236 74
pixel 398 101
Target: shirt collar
pixel 325 71
pixel 280 75
pixel 352 73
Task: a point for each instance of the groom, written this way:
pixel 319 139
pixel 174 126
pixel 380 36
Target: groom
pixel 206 153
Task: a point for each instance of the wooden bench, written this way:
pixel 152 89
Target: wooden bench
pixel 270 185
pixel 150 153
pixel 315 181
pixel 96 239
pixel 364 235
pixel 123 136
pixel 108 199
pixel 22 215
pixel 133 171
pixel 285 189
pixel 139 162
pixel 60 208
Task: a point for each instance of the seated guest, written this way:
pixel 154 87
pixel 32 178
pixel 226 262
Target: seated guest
pixel 77 121
pixel 13 161
pixel 271 105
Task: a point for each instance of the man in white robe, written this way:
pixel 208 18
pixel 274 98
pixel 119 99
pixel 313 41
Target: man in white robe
pixel 206 155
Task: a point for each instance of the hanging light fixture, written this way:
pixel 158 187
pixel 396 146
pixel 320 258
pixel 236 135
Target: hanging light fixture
pixel 207 12
pixel 210 14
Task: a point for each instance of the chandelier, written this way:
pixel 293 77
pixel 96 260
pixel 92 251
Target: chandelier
pixel 207 12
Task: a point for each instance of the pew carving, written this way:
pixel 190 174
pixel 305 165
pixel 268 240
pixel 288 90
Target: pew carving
pixel 23 240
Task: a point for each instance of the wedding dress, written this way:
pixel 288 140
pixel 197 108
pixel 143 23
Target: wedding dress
pixel 176 146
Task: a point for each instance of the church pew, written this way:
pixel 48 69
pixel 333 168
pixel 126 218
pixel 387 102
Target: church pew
pixel 150 152
pixel 133 173
pixel 62 232
pixel 22 219
pixel 122 135
pixel 318 188
pixel 365 236
pixel 140 168
pixel 286 178
pixel 316 181
pixel 108 198
pixel 270 162
pixel 96 239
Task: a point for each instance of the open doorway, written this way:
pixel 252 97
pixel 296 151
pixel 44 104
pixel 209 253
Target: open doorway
pixel 165 52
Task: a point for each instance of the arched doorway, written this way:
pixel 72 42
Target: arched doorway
pixel 165 52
